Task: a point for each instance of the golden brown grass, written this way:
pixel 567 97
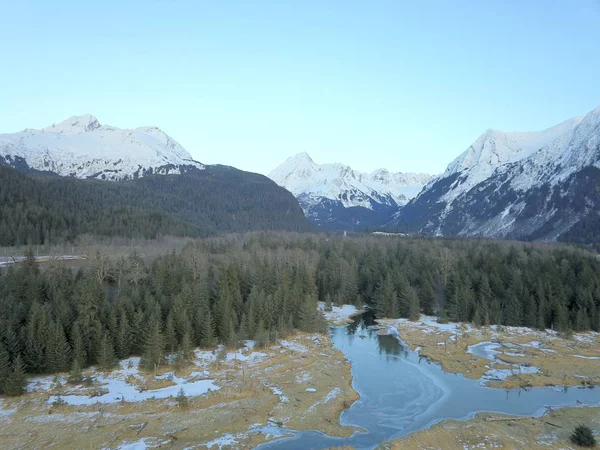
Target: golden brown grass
pixel 556 358
pixel 492 431
pixel 245 398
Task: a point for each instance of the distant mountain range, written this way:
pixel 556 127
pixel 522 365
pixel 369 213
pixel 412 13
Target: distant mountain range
pixel 83 148
pixel 335 196
pixel 518 185
pixel 533 186
pixel 79 177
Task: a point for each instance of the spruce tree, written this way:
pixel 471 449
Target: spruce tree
pixel 153 347
pixel 208 331
pixel 16 381
pixel 58 350
pixel 5 367
pixel 106 353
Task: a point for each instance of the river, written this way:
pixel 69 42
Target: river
pixel 401 392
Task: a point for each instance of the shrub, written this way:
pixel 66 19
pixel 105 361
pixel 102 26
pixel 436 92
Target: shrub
pixel 583 436
pixel 181 399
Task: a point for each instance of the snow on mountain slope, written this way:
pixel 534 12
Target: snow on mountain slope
pixel 337 182
pixel 83 148
pixel 495 148
pixel 518 185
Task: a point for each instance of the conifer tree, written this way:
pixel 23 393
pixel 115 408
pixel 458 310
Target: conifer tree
pixel 123 340
pixel 75 375
pixel 5 367
pixel 208 331
pixel 170 336
pixel 15 382
pixel 106 353
pixel 58 350
pixel 153 347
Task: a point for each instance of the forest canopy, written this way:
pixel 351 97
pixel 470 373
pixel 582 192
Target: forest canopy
pixel 264 285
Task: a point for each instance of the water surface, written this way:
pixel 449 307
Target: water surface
pixel 401 393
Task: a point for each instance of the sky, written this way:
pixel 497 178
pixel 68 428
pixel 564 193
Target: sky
pixel 403 85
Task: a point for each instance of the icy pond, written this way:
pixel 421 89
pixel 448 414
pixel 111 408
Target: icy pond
pixel 401 393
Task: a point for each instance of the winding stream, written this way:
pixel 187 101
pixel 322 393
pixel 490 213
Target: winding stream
pixel 401 393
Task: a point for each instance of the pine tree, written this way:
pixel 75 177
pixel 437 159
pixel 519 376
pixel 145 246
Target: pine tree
pixel 261 337
pixel 78 353
pixel 153 347
pixel 414 309
pixel 16 381
pixel 36 335
pixel 58 351
pixel 186 346
pixel 123 340
pixel 311 319
pixel 75 375
pixel 208 331
pixel 5 367
pixel 106 353
pixel 386 299
pixel 232 340
pixel 170 336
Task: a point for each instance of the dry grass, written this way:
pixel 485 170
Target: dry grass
pixel 555 358
pixel 492 431
pixel 245 398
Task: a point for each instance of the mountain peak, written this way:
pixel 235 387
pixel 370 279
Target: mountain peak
pixel 301 157
pixel 75 124
pixel 80 147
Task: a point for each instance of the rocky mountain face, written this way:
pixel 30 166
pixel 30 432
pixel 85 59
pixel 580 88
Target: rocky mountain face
pixel 335 196
pixel 81 147
pixel 532 186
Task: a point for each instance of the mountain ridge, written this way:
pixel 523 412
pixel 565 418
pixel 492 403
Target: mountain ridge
pixel 336 196
pixel 533 191
pixel 81 147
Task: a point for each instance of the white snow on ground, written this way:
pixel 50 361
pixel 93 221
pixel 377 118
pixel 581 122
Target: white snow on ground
pixel 278 392
pixel 485 350
pixel 586 357
pixel 5 412
pixel 303 377
pixel 310 390
pixel 503 374
pixel 330 396
pixel 223 441
pixel 589 337
pixel 44 383
pixel 117 388
pixel 294 346
pixel 245 354
pixel 338 313
pixel 143 444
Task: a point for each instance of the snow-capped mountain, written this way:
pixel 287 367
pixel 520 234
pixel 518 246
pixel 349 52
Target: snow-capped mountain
pixel 534 185
pixel 83 148
pixel 337 196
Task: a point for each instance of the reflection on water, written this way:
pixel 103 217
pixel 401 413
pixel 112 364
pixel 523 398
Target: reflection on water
pixel 401 393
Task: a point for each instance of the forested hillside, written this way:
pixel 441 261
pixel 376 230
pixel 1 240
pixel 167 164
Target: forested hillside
pixel 37 209
pixel 263 285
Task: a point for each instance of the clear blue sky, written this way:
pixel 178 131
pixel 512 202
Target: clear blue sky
pixel 396 84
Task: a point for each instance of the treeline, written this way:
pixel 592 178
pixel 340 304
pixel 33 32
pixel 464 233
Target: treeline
pixel 212 292
pixel 471 280
pixel 262 286
pixel 43 210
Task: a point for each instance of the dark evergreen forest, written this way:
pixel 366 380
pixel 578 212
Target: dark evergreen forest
pixel 264 285
pixel 43 209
